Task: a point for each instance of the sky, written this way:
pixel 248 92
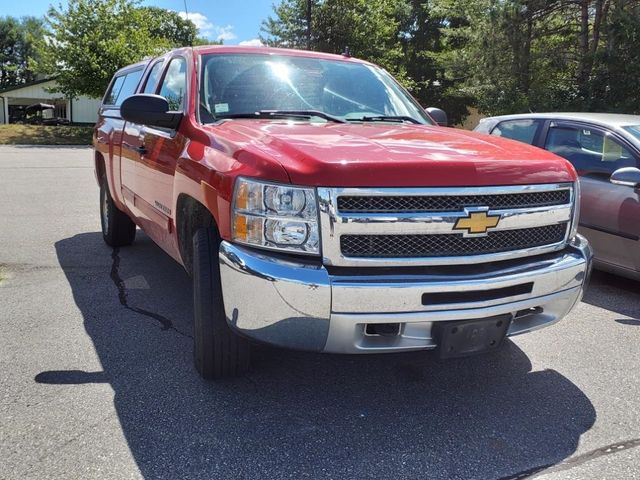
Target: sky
pixel 232 21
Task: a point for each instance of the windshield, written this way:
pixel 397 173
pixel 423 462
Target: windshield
pixel 633 130
pixel 237 84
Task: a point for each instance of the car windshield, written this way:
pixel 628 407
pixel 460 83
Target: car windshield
pixel 234 85
pixel 633 130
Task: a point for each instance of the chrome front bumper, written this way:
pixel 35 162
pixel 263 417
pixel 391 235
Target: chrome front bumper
pixel 304 306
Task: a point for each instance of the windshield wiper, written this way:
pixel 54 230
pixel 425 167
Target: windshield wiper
pixel 283 114
pixel 385 118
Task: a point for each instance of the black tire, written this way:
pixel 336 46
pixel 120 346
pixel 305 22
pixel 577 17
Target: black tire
pixel 218 352
pixel 118 229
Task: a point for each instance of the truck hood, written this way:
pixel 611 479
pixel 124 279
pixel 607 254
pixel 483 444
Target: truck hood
pixel 390 155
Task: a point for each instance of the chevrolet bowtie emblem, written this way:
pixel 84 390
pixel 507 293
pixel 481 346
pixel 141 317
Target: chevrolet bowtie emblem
pixel 477 222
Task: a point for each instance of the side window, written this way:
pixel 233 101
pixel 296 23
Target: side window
pixel 590 151
pixel 174 83
pixel 116 86
pixel 123 86
pixel 153 78
pixel 129 86
pixel 520 130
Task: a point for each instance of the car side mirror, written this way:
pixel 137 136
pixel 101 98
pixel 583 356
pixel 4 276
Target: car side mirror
pixel 439 116
pixel 627 176
pixel 148 109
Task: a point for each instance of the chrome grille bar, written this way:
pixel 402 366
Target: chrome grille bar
pixel 335 223
pixel 440 245
pixel 450 203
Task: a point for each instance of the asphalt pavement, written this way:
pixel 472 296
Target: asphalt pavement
pixel 96 375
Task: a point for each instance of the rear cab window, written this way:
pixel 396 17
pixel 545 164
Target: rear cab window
pixel 522 130
pixel 114 91
pixel 123 85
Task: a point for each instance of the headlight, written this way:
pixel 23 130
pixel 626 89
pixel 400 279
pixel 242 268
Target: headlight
pixel 576 209
pixel 278 217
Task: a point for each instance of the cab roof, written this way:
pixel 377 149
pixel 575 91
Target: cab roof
pixel 605 119
pixel 221 49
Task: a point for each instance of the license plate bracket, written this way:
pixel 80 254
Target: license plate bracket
pixel 462 338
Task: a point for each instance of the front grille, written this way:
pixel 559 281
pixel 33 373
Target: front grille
pixel 449 245
pixel 451 203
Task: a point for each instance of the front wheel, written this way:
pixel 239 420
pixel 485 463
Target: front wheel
pixel 118 229
pixel 218 351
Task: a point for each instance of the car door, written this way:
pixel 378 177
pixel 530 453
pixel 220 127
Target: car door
pixel 108 132
pixel 133 144
pixel 606 209
pixel 110 126
pixel 148 172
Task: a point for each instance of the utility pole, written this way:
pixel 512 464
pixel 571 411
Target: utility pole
pixel 309 24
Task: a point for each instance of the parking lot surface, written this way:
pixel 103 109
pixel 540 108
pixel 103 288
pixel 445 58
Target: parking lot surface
pixel 96 376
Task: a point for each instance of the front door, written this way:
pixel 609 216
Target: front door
pixel 152 152
pixel 609 214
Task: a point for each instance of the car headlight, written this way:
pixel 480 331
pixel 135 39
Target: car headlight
pixel 277 217
pixel 576 209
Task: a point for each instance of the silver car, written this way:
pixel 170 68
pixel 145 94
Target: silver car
pixel 605 151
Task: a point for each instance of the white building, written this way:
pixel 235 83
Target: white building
pixel 79 110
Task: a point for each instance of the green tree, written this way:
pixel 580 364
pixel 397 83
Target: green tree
pixel 422 42
pixel 288 28
pixel 614 66
pixel 510 55
pixel 543 55
pixel 90 39
pixel 169 25
pixel 17 50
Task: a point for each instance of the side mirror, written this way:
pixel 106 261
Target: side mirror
pixel 148 109
pixel 627 176
pixel 439 116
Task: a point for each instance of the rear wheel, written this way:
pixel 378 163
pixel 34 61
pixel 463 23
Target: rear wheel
pixel 218 351
pixel 118 229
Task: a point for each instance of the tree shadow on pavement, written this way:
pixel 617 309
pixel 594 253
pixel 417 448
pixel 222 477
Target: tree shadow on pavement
pixel 302 414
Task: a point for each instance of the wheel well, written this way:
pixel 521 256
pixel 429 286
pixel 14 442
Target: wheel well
pixel 100 167
pixel 190 216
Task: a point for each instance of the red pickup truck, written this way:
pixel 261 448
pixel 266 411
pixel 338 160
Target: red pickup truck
pixel 317 206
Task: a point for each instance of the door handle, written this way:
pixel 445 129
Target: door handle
pixel 139 149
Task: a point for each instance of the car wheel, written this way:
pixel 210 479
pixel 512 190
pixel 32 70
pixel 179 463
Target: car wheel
pixel 218 351
pixel 118 229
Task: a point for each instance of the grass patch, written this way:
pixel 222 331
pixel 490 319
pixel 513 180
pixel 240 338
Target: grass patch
pixel 17 134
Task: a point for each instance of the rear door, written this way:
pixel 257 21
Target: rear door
pixel 606 209
pixel 110 125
